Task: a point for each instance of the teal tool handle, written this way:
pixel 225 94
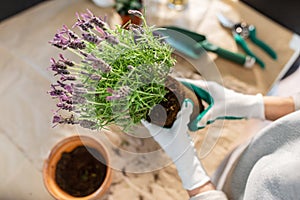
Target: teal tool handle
pixel 260 43
pixel 235 57
pixel 239 40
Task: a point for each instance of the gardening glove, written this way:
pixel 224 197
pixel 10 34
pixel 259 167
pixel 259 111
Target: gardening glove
pixel 223 103
pixel 178 145
pixel 296 98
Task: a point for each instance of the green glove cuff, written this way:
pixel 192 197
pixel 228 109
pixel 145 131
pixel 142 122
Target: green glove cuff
pixel 193 125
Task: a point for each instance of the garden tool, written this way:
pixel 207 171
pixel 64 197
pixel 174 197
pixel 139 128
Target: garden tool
pixel 241 31
pixel 193 45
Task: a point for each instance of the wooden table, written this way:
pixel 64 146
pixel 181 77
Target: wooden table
pixel 26 108
pixel 200 17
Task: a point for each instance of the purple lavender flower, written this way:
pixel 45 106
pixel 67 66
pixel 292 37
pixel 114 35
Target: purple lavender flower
pixel 79 85
pixel 136 29
pixel 135 13
pixel 89 16
pixel 130 67
pixel 91 38
pixel 62 72
pixel 67 78
pixel 98 63
pixel 61 84
pixel 111 39
pixel 95 77
pixel 98 22
pixel 65 98
pixel 137 32
pixel 56 66
pixel 78 99
pixel 91 89
pixel 55 92
pixel 87 124
pixel 68 88
pixel 63 37
pixel 83 53
pixel 82 24
pixel 60 41
pixel 85 73
pixel 66 38
pixel 103 66
pixel 68 32
pixel 101 31
pixel 124 91
pixel 91 57
pixel 65 61
pixel 113 97
pixel 65 106
pixel 118 94
pixel 80 91
pixel 58 119
pixel 110 90
pixel 77 44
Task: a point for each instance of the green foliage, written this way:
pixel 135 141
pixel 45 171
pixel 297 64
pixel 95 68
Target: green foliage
pixel 120 76
pixel 151 61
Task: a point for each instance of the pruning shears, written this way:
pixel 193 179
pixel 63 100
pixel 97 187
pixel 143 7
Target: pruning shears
pixel 241 31
pixel 193 44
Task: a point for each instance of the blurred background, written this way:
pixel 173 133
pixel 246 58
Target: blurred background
pixel 10 8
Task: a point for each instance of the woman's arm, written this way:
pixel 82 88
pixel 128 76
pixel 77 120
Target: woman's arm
pixel 276 107
pixel 207 192
pixel 204 188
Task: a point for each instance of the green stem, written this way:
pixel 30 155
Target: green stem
pixel 96 103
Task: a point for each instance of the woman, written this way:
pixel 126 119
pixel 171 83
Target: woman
pixel 264 168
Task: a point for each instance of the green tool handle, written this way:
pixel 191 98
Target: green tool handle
pixel 235 57
pixel 239 40
pixel 260 43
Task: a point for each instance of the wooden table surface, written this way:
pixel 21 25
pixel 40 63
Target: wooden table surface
pixel 201 17
pixel 26 109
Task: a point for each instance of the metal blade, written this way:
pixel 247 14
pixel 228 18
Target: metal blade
pixel 180 42
pixel 225 21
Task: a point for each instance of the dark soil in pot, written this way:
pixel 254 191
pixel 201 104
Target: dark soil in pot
pixel 81 171
pixel 164 114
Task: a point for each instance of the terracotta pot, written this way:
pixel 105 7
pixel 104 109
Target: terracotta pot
pixel 134 19
pixel 68 145
pixel 165 115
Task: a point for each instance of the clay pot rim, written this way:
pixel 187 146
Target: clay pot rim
pixel 68 144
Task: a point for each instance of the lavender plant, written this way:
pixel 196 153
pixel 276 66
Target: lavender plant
pixel 119 76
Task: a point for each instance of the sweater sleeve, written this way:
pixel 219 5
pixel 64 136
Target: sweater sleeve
pixel 210 195
pixel 296 98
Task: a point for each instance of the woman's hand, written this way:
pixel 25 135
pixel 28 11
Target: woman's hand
pixel 178 145
pixel 223 103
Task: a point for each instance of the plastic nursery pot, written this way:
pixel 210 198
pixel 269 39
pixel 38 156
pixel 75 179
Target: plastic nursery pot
pixel 88 151
pixel 164 114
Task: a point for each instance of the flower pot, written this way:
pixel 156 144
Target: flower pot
pixel 122 7
pixel 134 19
pixel 164 114
pixel 76 159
